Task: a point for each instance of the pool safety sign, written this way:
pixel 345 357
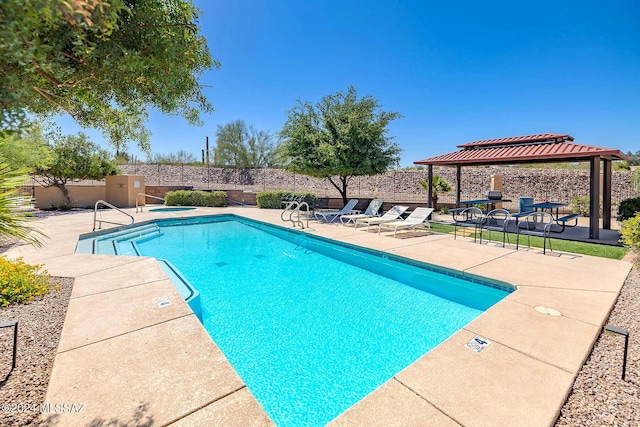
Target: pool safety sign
pixel 477 344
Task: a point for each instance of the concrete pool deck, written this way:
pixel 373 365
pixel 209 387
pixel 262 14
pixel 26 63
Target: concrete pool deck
pixel 129 360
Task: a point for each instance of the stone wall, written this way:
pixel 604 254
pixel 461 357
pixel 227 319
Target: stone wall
pixel 560 185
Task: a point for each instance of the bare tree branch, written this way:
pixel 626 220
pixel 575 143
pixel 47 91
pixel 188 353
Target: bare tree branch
pixel 49 98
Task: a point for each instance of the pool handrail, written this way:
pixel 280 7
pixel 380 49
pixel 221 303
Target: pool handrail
pixel 100 221
pixel 146 195
pixel 292 208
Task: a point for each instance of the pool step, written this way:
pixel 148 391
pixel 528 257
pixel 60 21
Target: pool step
pixel 184 287
pixel 123 242
pixel 127 248
pixel 126 231
pixel 139 233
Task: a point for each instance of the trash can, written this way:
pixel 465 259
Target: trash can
pixel 526 201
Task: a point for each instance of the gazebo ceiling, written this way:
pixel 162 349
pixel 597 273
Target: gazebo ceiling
pixel 540 148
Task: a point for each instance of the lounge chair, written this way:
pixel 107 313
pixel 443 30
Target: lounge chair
pixel 371 211
pixel 417 218
pixel 331 215
pixel 391 215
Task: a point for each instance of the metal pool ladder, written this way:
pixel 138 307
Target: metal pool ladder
pixel 292 208
pixel 100 221
pixel 146 195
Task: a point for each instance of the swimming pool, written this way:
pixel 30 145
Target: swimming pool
pixel 311 326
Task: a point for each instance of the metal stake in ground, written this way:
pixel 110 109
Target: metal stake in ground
pixel 625 333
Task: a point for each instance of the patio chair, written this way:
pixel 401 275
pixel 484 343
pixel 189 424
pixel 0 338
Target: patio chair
pixel 523 208
pixel 330 215
pixel 391 215
pixel 467 217
pixel 371 211
pixel 417 218
pixel 535 224
pixel 495 220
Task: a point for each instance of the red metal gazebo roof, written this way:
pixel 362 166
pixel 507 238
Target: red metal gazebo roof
pixel 539 148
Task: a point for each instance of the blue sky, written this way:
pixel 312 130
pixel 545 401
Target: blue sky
pixel 456 71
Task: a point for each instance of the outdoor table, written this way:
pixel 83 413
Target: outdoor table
pixel 547 205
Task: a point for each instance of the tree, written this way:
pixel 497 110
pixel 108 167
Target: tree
pixel 439 185
pixel 104 62
pixel 181 157
pixel 27 148
pixel 339 138
pixel 75 158
pixel 241 146
pixel 635 179
pixel 634 158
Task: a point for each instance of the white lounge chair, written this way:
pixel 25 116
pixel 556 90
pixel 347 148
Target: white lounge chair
pixel 417 218
pixel 331 215
pixel 371 211
pixel 391 215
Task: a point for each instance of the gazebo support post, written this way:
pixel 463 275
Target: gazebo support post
pixel 594 198
pixel 430 186
pixel 458 182
pixel 606 195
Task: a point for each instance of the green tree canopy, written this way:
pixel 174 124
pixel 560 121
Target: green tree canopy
pixel 75 158
pixel 104 62
pixel 180 157
pixel 339 138
pixel 28 148
pixel 244 146
pixel 634 158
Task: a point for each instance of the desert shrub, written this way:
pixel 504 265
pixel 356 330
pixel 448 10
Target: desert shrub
pixel 196 198
pixel 630 232
pixel 270 199
pixel 177 198
pixel 581 205
pixel 21 282
pixel 218 198
pixel 273 199
pixel 628 208
pixel 62 206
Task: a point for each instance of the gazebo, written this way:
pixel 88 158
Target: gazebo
pixel 540 148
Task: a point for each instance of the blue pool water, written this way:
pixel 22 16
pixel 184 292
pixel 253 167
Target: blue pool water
pixel 310 334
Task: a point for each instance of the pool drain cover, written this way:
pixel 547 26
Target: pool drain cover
pixel 221 264
pixel 547 310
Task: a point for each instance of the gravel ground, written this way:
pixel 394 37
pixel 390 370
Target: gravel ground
pixel 39 326
pixel 600 397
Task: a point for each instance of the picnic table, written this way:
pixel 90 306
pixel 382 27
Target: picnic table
pixel 561 221
pixel 550 206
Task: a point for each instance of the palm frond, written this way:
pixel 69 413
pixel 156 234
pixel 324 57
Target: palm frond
pixel 15 208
